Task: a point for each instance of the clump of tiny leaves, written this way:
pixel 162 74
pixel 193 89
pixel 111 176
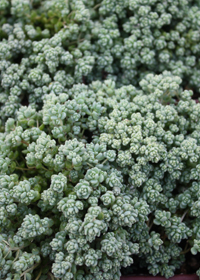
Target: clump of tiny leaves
pixel 100 178
pixel 50 45
pixel 99 137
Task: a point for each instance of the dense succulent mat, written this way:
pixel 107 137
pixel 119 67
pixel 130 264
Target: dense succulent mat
pixel 50 45
pixel 100 177
pixel 99 138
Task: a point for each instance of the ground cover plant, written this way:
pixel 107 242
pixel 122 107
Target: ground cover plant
pixel 46 45
pixel 99 138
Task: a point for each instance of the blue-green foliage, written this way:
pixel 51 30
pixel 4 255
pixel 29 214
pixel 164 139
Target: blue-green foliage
pixel 47 46
pixel 84 205
pixel 99 137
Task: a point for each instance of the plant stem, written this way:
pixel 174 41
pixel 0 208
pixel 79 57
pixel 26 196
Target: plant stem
pixel 37 278
pixel 184 214
pixel 22 168
pixel 90 165
pixel 24 142
pixel 97 6
pixel 150 225
pixel 185 251
pixel 104 161
pixel 32 267
pixel 17 255
pixel 6 243
pixel 51 276
pixel 7 253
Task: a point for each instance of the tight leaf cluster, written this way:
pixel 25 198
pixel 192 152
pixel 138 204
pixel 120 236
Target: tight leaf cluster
pixel 47 46
pixel 100 178
pixel 99 138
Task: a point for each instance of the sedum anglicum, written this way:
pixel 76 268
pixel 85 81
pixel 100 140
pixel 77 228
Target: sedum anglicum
pixel 99 138
pixel 48 46
pixel 99 178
